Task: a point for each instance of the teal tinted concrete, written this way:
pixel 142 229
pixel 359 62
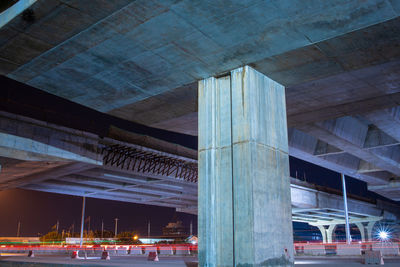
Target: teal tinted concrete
pixel 176 42
pixel 244 190
pixel 13 11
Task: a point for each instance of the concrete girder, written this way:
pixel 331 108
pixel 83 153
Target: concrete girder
pixel 378 138
pixel 366 167
pixel 28 139
pixel 63 190
pixel 141 179
pixel 94 190
pixel 121 186
pixel 391 185
pixel 91 190
pixel 349 135
pixel 123 173
pixel 303 146
pixel 13 11
pixel 388 120
pixel 355 220
pixel 53 173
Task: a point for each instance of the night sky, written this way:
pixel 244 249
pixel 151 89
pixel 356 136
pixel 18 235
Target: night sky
pixel 39 211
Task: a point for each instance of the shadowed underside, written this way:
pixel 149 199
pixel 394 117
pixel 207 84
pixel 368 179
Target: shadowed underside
pixel 140 60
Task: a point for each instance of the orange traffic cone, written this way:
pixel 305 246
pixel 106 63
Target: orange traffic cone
pixel 105 255
pixel 75 254
pixel 152 256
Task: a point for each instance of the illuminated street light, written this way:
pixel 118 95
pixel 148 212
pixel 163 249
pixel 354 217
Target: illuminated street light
pixel 383 235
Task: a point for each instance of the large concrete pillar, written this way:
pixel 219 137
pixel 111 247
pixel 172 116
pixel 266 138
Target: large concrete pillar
pixel 244 189
pixel 329 232
pixel 322 229
pixel 361 228
pixel 370 227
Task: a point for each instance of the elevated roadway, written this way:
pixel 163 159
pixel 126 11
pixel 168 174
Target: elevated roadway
pixel 318 80
pixel 47 157
pixel 140 60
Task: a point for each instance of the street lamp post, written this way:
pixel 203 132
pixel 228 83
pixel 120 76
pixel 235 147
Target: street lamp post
pixel 116 226
pixel 82 219
pixel 346 213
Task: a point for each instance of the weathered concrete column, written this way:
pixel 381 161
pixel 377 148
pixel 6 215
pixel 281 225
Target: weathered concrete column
pixel 322 229
pixel 329 232
pixel 361 228
pixel 244 189
pixel 370 226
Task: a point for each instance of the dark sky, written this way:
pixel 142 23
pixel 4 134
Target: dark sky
pixel 38 211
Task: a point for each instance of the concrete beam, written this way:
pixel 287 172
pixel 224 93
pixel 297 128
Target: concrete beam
pixel 54 173
pixel 28 139
pixel 13 11
pixel 113 186
pixel 69 191
pixel 352 220
pixel 303 146
pixel 142 179
pixel 349 134
pixel 390 186
pixel 388 120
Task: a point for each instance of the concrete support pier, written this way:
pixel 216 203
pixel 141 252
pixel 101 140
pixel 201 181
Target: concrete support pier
pixel 244 190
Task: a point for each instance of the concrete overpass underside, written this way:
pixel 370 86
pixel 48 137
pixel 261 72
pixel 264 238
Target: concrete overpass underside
pixel 139 64
pixel 139 60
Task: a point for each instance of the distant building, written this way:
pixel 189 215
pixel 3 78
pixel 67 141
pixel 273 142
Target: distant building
pixel 16 240
pixel 175 229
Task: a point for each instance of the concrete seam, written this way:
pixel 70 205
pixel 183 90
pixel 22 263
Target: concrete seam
pixel 233 188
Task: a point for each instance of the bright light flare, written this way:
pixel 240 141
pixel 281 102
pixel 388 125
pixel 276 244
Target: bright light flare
pixel 383 235
pixel 383 232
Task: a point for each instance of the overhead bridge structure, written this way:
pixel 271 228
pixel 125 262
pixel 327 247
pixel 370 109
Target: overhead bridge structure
pixel 74 162
pixel 255 81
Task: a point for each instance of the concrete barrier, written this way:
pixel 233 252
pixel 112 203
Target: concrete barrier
pixel 314 249
pixel 373 257
pixel 166 250
pixel 386 248
pixel 150 249
pixel 182 250
pixel 122 251
pixel 348 249
pixel 136 250
pixel 298 250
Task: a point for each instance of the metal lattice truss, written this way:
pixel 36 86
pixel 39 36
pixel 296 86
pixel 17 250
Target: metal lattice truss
pixel 148 161
pixel 318 217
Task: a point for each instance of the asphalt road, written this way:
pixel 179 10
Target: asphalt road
pixel 167 261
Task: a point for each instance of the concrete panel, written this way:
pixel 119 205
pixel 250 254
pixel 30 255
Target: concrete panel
pixel 386 248
pixel 182 250
pixel 134 250
pixel 165 250
pixel 348 250
pixel 314 249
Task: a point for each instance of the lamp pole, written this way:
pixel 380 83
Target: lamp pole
pixel 116 226
pixel 82 219
pixel 346 212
